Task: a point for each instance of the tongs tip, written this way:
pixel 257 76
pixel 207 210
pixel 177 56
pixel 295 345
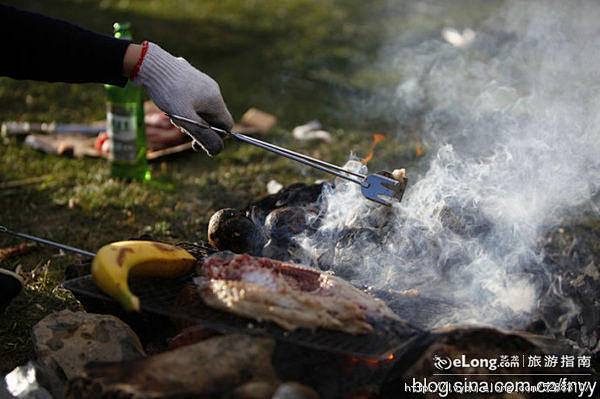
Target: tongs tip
pixel 383 188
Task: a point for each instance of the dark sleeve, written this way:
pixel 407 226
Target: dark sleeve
pixel 38 47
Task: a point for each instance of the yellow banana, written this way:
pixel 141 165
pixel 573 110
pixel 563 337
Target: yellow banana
pixel 115 262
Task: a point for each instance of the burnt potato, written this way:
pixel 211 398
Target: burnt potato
pixel 282 224
pixel 229 229
pixel 294 195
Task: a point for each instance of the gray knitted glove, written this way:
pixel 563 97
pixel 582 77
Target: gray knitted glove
pixel 178 88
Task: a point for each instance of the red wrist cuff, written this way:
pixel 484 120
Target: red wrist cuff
pixel 136 68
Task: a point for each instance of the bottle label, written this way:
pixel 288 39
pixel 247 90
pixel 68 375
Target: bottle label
pixel 121 123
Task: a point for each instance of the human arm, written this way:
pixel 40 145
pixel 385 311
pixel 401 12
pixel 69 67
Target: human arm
pixel 53 50
pixel 39 47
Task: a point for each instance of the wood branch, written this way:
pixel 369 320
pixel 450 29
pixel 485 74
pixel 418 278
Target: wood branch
pixel 16 250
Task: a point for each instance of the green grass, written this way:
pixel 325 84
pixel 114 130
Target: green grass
pixel 297 59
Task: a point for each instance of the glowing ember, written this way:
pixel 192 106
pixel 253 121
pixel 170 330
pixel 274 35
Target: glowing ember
pixel 376 139
pixel 357 361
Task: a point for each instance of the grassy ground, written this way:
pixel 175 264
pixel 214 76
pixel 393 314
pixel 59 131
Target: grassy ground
pixel 297 59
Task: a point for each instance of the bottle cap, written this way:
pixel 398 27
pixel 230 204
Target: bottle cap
pixel 122 29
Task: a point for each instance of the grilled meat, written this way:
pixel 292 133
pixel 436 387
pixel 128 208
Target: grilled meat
pixel 289 295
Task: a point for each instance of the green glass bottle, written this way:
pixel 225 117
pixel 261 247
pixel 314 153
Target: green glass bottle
pixel 125 125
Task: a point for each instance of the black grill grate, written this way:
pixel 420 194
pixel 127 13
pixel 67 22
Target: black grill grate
pixel 159 297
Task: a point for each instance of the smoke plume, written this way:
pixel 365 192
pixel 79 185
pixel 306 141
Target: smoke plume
pixel 511 122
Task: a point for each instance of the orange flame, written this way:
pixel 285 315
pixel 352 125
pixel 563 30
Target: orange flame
pixel 418 144
pixel 376 139
pixel 358 360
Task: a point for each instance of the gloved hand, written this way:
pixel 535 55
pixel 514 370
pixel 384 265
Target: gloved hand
pixel 178 88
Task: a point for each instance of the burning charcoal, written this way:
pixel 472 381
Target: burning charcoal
pixel 353 237
pixel 378 217
pixel 284 223
pixel 352 243
pixel 299 194
pixel 570 252
pixel 465 221
pixel 279 252
pixel 325 259
pixel 198 249
pixel 229 229
pixel 258 210
pixel 281 226
pixel 294 195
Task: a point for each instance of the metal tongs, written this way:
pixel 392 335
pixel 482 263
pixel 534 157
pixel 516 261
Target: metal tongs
pixel 380 187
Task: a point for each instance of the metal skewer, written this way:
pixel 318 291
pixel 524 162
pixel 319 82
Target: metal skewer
pixel 47 242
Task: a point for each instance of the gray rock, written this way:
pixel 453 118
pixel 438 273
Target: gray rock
pixel 214 367
pixel 66 341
